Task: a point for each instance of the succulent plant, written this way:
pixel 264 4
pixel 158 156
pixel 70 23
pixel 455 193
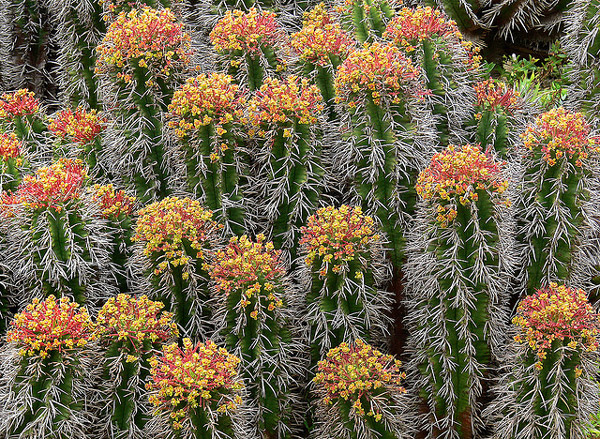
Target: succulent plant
pixel 466 13
pixel 12 161
pixel 458 271
pixel 366 20
pixel 546 388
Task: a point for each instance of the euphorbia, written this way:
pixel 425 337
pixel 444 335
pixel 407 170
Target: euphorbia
pixel 12 161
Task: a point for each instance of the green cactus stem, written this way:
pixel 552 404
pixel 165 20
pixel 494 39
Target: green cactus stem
pixel 366 20
pixel 48 375
pixel 255 320
pixel 12 162
pixel 457 272
pixel 546 387
pixel 466 13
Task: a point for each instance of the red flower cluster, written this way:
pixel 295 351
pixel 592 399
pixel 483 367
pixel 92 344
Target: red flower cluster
pixel 557 313
pixel 18 104
pixel 10 147
pixel 79 126
pixel 113 203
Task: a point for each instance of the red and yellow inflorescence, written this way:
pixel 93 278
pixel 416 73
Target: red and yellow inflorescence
pixel 377 71
pixel 50 187
pixel 337 236
pixel 172 227
pixel 493 95
pixel 246 32
pixel 144 39
pixel 11 147
pixel 252 268
pixel 79 126
pixel 51 325
pixel 560 133
pixel 289 101
pixel 557 313
pixel 135 321
pixel 356 372
pixel 18 104
pixel 204 100
pixel 321 37
pixel 455 175
pixel 113 203
pixel 194 378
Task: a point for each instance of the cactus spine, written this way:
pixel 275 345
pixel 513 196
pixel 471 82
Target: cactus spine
pixel 366 20
pixel 47 372
pixel 254 318
pixel 555 198
pixel 360 395
pixel 205 114
pixel 466 13
pixel 141 60
pixel 206 408
pixel 131 331
pixel 176 237
pixel 456 280
pixel 346 268
pixel 547 388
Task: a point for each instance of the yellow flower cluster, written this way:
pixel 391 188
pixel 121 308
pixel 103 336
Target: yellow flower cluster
pixel 192 378
pixel 321 38
pixel 558 134
pixel 293 100
pixel 376 71
pixel 51 325
pixel 144 39
pixel 252 268
pixel 204 100
pixel 113 203
pixel 557 313
pixel 337 235
pixel 80 126
pixel 173 227
pixel 240 31
pixel 357 372
pixel 135 321
pixel 456 175
pixel 11 148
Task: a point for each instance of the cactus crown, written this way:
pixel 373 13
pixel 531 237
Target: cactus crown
pixel 10 146
pixel 254 268
pixel 194 376
pixel 557 313
pixel 338 235
pixel 113 203
pixel 494 95
pixel 51 325
pixel 456 174
pixel 174 226
pixel 143 38
pixel 206 99
pixel 246 31
pixel 135 319
pixel 286 102
pixel 379 70
pixel 321 37
pixel 560 133
pixel 79 126
pixel 20 103
pixel 356 372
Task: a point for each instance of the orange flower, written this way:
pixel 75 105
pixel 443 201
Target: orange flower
pixel 494 95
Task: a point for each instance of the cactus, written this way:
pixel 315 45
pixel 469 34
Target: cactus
pixel 458 273
pixel 78 134
pixel 196 391
pixel 47 372
pixel 57 244
pixel 205 114
pixel 12 161
pixel 255 320
pixel 360 395
pixel 448 61
pixel 112 8
pixel 176 237
pixel 547 387
pixel 466 13
pixel 555 200
pixel 322 46
pixel 366 20
pixel 387 134
pixel 116 207
pixel 251 46
pixel 131 331
pixel 346 269
pixel 141 60
pixel 284 116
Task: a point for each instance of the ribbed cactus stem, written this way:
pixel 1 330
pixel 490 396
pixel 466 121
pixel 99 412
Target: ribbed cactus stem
pixel 366 19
